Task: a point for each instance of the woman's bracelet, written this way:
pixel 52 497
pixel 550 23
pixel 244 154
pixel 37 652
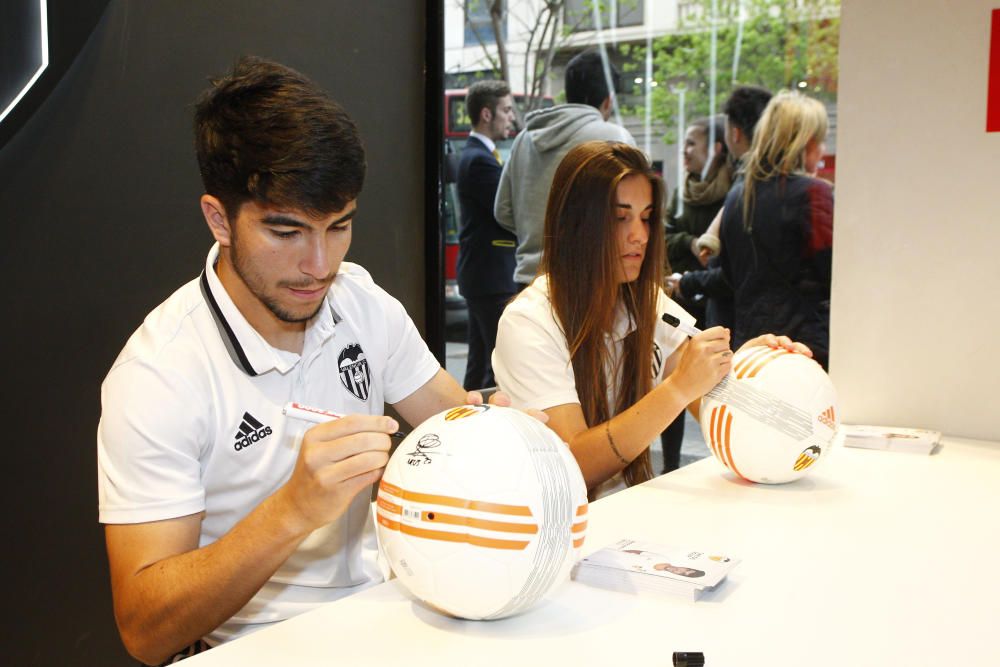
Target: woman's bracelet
pixel 607 431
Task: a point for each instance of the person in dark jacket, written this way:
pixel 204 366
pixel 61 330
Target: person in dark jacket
pixel 486 250
pixel 742 111
pixel 777 229
pixel 691 210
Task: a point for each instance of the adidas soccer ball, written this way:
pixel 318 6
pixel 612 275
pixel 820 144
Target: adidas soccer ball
pixel 481 511
pixel 773 418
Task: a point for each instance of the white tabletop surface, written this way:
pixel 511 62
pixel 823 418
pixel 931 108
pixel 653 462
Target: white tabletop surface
pixel 875 558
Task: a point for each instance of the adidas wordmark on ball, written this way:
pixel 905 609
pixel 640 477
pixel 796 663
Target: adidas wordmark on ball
pixel 773 417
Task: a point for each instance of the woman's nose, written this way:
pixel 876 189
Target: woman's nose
pixel 638 231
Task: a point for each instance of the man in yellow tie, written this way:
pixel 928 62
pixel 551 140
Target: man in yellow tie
pixel 486 250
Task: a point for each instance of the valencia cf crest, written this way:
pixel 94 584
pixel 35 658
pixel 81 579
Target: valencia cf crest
pixel 807 457
pixel 463 411
pixel 354 372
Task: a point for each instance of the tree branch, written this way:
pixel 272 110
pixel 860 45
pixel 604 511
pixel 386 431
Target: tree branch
pixel 494 65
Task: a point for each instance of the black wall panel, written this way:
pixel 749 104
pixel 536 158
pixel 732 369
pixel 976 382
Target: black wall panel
pixel 99 222
pixel 70 23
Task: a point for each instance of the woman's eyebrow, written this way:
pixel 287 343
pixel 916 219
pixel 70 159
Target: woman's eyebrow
pixel 629 206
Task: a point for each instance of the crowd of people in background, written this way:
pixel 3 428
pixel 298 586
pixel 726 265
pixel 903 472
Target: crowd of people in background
pixel 747 247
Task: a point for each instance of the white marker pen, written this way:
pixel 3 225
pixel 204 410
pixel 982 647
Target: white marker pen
pixel 318 415
pixel 683 327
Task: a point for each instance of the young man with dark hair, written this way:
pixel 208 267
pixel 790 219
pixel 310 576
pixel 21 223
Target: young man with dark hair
pixel 490 97
pixel 548 136
pixel 221 514
pixel 587 82
pixel 742 111
pixel 486 250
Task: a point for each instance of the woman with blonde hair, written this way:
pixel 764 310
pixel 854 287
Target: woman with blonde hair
pixel 585 342
pixel 777 229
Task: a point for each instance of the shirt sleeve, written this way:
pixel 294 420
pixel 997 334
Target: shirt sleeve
pixel 149 445
pixel 531 360
pixel 409 362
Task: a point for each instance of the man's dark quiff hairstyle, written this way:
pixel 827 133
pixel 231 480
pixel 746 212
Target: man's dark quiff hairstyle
pixel 585 81
pixel 266 133
pixel 744 107
pixel 484 95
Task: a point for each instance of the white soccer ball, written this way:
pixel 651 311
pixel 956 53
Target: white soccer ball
pixel 481 511
pixel 772 418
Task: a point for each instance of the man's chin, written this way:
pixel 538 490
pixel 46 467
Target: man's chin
pixel 294 316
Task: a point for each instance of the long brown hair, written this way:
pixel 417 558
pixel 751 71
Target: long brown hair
pixel 581 258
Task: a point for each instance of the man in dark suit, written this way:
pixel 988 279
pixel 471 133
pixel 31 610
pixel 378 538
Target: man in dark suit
pixel 486 251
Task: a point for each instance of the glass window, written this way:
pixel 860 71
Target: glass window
pixel 580 14
pixel 479 22
pixel 679 60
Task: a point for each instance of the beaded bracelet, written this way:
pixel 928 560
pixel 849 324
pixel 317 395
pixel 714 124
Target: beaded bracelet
pixel 607 431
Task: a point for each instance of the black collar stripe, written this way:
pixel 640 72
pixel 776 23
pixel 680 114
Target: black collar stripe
pixel 229 339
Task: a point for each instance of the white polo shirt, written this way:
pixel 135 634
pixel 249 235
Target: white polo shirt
pixel 192 423
pixel 532 364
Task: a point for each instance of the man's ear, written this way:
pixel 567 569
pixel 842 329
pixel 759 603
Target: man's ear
pixel 218 222
pixel 605 107
pixel 740 138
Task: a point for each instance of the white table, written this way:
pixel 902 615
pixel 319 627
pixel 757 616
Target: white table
pixel 875 558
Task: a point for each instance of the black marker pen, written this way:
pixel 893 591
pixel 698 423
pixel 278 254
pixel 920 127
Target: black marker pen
pixel 683 327
pixel 688 659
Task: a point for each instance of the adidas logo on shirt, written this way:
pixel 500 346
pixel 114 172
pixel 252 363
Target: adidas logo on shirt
pixel 251 431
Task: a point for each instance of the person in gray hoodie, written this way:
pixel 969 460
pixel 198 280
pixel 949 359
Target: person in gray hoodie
pixel 548 136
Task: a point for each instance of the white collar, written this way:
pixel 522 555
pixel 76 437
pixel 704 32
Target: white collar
pixel 247 348
pixel 486 140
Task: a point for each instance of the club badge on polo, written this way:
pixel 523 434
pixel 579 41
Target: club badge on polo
pixel 481 511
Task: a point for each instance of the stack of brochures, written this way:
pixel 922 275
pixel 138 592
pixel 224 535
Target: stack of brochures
pixel 634 567
pixel 916 440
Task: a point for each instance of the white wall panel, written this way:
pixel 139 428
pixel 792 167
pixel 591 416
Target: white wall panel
pixel 917 230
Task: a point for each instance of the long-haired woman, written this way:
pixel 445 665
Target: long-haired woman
pixel 777 229
pixel 585 342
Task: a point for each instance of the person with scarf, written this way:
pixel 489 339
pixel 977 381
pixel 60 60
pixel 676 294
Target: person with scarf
pixel 691 211
pixel 703 193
